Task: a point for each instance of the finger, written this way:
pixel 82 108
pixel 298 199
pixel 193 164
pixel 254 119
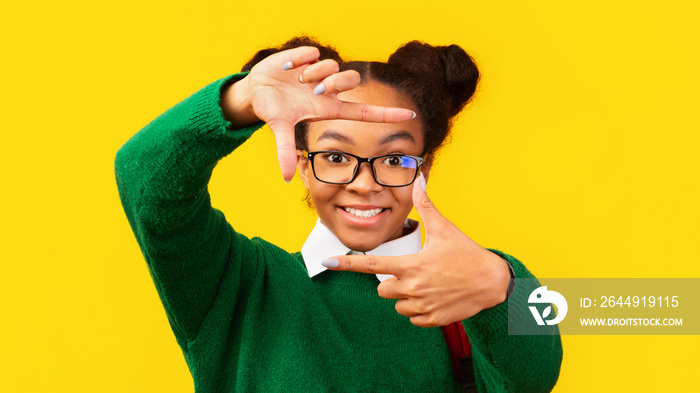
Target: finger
pixel 430 216
pixel 319 71
pixel 389 289
pixel 427 320
pixel 406 308
pixel 286 148
pixel 371 113
pixel 297 57
pixel 339 82
pixel 371 264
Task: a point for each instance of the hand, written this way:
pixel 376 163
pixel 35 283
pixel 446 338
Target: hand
pixel 451 279
pixel 275 95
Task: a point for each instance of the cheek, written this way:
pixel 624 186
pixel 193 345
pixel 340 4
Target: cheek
pixel 321 193
pixel 404 198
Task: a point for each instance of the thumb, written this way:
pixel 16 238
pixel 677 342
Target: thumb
pixel 286 148
pixel 429 214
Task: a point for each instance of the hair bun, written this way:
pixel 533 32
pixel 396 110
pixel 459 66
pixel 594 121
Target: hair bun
pixel 461 75
pixel 448 67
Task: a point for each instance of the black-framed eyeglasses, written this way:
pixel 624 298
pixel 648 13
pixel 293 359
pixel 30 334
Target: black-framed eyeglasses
pixel 337 167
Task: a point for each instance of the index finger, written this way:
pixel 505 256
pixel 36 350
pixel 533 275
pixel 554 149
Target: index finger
pixel 299 56
pixel 373 113
pixel 371 264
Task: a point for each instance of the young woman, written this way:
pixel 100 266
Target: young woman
pixel 252 317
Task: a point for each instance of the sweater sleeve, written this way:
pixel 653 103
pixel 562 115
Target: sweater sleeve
pixel 162 174
pixel 513 363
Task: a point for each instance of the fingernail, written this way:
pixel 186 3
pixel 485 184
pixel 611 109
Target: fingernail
pixel 423 183
pixel 287 181
pixel 319 89
pixel 330 263
pixel 413 115
pixel 287 66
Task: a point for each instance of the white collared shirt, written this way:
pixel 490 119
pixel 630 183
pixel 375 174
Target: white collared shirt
pixel 323 244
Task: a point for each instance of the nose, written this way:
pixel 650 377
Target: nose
pixel 364 183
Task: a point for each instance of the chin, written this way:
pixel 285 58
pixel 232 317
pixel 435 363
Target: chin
pixel 363 243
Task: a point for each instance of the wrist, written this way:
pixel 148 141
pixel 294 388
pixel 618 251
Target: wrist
pixel 503 278
pixel 236 104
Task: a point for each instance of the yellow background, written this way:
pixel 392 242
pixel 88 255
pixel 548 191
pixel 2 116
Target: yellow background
pixel 579 157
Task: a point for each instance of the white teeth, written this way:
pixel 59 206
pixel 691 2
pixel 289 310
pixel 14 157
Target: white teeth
pixel 363 213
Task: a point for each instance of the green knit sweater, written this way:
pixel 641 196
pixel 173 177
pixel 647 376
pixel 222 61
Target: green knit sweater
pixel 246 313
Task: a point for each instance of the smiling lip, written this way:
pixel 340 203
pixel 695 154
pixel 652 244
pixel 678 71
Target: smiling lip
pixel 362 221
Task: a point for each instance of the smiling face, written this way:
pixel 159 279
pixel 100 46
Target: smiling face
pixel 363 214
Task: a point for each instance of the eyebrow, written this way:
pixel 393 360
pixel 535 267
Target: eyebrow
pixel 335 135
pixel 397 136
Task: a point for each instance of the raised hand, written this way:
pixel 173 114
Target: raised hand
pixel 451 279
pixel 292 86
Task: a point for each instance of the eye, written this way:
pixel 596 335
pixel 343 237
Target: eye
pixel 335 158
pixel 395 161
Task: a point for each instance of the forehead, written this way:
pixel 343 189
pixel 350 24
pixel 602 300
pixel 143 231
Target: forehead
pixel 373 93
pixel 376 93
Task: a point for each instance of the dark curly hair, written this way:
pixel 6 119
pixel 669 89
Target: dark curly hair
pixel 439 79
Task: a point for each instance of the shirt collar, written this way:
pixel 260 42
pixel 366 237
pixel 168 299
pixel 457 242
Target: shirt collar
pixel 323 244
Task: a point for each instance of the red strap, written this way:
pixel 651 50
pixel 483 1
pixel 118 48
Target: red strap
pixel 458 342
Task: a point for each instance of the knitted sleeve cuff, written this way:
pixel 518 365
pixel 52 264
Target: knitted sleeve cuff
pixel 495 319
pixel 206 114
